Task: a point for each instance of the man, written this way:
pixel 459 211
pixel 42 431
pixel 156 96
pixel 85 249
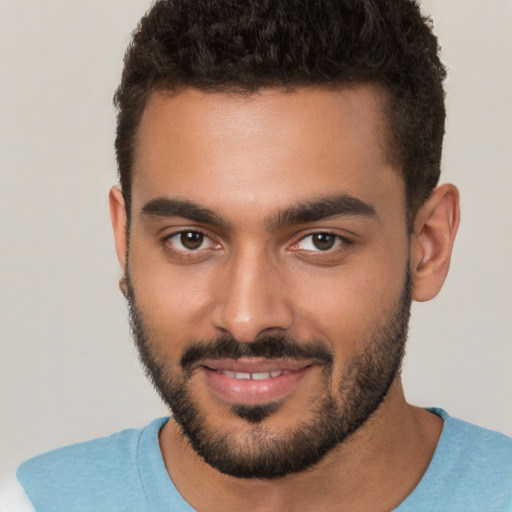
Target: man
pixel 276 216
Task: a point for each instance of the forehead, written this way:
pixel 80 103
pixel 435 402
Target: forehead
pixel 264 150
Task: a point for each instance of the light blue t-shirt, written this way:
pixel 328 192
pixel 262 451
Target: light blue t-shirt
pixel 471 471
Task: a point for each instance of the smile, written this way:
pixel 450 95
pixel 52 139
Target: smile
pixel 255 375
pixel 253 381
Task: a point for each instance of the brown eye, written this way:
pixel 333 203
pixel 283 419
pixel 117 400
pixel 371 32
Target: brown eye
pixel 191 244
pixel 323 241
pixel 191 240
pixel 320 242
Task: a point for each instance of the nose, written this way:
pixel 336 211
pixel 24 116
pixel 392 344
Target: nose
pixel 251 298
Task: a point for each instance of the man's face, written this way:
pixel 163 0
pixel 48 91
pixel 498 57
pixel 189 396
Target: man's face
pixel 267 270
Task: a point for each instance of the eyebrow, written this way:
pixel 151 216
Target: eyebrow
pixel 166 207
pixel 322 208
pixel 299 213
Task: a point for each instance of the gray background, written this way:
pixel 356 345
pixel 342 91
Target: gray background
pixel 68 371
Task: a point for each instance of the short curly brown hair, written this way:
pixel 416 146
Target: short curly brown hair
pixel 246 45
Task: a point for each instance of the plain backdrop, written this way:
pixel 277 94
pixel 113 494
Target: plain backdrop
pixel 68 370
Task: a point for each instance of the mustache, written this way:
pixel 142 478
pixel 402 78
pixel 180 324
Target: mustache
pixel 268 347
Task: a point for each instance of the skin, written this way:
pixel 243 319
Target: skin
pixel 246 158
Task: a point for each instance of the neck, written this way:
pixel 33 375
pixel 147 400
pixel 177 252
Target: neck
pixel 375 469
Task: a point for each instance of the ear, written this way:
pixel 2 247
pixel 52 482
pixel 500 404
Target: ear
pixel 432 241
pixel 118 219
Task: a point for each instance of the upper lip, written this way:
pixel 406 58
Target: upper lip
pixel 254 365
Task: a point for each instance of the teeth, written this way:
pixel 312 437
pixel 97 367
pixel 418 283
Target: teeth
pixel 260 376
pixel 255 375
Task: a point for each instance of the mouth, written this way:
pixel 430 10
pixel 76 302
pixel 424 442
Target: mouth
pixel 253 375
pixel 253 381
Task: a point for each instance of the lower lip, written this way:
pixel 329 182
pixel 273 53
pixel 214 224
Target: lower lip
pixel 249 391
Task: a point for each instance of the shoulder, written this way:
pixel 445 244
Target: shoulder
pixel 92 475
pixel 478 447
pixel 471 471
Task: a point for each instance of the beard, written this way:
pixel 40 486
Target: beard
pixel 261 452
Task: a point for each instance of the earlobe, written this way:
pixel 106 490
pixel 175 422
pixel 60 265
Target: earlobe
pixel 118 219
pixel 432 241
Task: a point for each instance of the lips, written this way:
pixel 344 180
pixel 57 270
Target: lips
pixel 252 380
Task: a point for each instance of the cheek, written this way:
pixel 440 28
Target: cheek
pixel 174 300
pixel 345 306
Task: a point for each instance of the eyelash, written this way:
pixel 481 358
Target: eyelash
pixel 341 244
pixel 187 253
